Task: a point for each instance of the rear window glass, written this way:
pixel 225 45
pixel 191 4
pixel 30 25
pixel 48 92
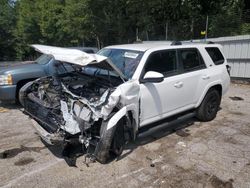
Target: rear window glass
pixel 215 55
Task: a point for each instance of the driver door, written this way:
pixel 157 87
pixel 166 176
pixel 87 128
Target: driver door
pixel 157 99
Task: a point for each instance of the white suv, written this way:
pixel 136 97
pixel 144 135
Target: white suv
pixel 107 99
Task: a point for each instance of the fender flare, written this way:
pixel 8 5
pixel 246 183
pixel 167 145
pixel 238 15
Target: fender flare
pixel 123 112
pixel 217 82
pixel 116 117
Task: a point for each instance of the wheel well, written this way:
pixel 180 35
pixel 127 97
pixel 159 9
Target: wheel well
pixel 132 126
pixel 217 87
pixel 21 83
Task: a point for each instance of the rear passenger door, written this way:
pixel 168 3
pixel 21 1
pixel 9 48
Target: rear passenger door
pixel 193 74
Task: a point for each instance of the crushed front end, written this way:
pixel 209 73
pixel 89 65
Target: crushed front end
pixel 69 108
pixel 93 103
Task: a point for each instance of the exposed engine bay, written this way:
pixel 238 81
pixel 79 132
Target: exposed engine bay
pixel 70 105
pixel 53 89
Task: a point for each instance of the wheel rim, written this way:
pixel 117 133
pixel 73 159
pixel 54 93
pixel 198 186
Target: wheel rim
pixel 117 148
pixel 118 142
pixel 212 105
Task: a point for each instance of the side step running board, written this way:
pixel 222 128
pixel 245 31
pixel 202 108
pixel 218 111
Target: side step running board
pixel 166 124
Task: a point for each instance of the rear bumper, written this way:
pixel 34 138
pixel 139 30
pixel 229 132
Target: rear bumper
pixel 8 93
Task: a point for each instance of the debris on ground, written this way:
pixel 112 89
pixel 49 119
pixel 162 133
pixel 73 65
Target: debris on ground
pixel 217 182
pixel 2 110
pixel 182 133
pixel 182 144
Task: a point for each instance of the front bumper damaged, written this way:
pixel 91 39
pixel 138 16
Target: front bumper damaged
pixel 49 138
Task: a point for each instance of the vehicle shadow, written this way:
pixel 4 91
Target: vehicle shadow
pixel 10 105
pixel 174 128
pixel 72 152
pixel 69 153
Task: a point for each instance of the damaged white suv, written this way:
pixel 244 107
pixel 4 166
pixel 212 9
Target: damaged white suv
pixel 106 99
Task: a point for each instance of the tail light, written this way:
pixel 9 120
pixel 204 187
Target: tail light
pixel 228 69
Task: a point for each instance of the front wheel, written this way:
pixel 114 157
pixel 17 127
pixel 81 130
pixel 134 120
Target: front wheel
pixel 118 141
pixel 209 107
pixel 111 142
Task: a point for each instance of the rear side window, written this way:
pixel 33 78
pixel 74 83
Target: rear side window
pixel 215 55
pixel 164 62
pixel 191 59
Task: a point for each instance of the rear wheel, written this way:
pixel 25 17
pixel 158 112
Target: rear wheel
pixel 209 107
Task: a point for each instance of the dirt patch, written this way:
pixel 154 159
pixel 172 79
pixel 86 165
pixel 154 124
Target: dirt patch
pixel 218 183
pixel 235 98
pixel 15 151
pixel 231 140
pixel 24 161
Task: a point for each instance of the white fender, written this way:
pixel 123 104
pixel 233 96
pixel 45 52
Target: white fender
pixel 123 112
pixel 115 118
pixel 217 82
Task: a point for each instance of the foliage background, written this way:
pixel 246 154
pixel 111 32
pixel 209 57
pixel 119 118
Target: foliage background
pixel 103 22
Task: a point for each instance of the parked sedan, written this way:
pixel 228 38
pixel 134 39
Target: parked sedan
pixel 14 76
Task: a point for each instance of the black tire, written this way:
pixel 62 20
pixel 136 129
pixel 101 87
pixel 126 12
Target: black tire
pixel 209 107
pixel 19 86
pixel 17 99
pixel 111 142
pixel 118 141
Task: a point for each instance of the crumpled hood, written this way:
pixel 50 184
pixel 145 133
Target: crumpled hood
pixel 78 57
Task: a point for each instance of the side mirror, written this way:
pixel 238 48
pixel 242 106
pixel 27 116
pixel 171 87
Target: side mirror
pixel 153 77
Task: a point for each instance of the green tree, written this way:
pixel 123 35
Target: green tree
pixel 27 28
pixel 7 25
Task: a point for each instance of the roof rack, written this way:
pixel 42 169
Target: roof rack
pixel 200 42
pixel 176 43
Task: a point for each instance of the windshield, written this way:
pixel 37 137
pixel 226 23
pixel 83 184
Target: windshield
pixel 43 59
pixel 126 60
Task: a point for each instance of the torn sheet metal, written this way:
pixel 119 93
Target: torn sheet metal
pixel 71 125
pixel 125 94
pixel 78 57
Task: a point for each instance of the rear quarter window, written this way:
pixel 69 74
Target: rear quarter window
pixel 191 59
pixel 215 55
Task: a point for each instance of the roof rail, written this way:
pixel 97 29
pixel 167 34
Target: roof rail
pixel 200 42
pixel 176 43
pixel 210 42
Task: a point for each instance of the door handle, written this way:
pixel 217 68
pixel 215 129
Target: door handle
pixel 178 84
pixel 205 77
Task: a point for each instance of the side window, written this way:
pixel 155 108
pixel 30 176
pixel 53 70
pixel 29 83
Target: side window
pixel 163 62
pixel 191 59
pixel 215 55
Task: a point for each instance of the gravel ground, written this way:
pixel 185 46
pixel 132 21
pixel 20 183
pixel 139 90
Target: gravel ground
pixel 213 154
